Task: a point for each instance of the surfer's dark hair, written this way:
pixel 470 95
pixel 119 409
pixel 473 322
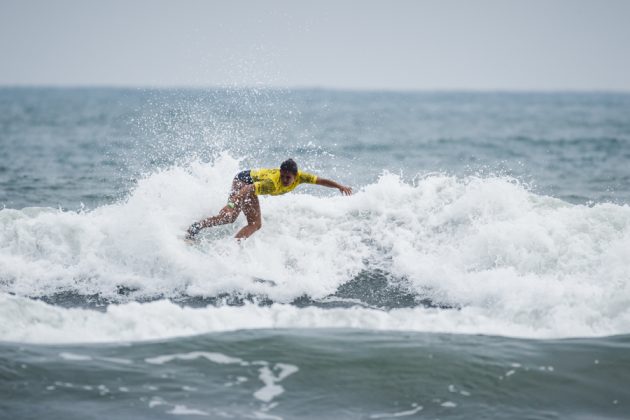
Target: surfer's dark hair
pixel 289 165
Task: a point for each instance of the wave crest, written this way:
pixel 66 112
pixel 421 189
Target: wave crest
pixel 485 243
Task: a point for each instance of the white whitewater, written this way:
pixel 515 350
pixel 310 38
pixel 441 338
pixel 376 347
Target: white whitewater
pixel 515 262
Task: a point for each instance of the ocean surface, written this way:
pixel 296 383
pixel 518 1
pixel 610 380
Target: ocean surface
pixel 481 269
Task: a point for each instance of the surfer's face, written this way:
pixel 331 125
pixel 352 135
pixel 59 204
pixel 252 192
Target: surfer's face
pixel 287 178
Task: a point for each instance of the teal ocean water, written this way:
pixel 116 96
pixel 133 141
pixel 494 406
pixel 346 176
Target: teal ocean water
pixel 480 270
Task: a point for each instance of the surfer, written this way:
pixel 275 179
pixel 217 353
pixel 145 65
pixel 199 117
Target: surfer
pixel 248 185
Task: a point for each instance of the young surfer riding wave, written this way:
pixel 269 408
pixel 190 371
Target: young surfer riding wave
pixel 248 185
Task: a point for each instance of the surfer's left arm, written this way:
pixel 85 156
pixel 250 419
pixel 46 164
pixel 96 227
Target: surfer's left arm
pixel 332 184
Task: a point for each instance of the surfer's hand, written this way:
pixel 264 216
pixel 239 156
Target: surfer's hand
pixel 345 190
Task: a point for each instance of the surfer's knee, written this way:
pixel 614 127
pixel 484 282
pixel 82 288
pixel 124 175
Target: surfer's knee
pixel 229 216
pixel 256 224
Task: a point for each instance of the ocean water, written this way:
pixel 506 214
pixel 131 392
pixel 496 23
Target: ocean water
pixel 480 270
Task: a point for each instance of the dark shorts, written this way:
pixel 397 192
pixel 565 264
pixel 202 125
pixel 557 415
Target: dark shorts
pixel 245 177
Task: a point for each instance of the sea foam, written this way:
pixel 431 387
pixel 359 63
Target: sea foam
pixel 506 256
pixel 27 320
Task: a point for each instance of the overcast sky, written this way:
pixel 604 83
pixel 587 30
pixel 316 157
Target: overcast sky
pixel 435 44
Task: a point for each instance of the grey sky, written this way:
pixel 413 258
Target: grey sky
pixel 445 44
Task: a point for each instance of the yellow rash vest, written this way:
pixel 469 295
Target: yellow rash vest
pixel 267 181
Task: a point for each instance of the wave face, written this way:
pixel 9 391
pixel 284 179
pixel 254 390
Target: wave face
pixel 442 253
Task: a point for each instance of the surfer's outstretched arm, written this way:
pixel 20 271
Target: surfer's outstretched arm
pixel 332 184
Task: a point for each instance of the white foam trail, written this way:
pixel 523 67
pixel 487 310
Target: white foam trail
pixel 271 387
pixel 182 410
pixel 177 409
pixel 74 356
pixel 415 409
pixel 26 320
pixel 219 358
pixel 532 264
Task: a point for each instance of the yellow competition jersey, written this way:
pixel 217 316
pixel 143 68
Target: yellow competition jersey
pixel 267 181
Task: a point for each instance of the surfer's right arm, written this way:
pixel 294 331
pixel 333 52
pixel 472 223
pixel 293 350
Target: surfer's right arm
pixel 332 184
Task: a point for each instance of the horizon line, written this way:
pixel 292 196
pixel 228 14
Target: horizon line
pixel 310 88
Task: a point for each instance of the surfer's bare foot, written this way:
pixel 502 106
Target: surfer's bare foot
pixel 193 230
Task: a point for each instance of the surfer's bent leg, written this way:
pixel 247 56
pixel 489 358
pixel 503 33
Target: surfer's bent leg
pixel 228 214
pixel 251 208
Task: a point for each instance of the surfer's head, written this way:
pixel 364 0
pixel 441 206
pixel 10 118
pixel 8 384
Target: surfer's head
pixel 288 172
